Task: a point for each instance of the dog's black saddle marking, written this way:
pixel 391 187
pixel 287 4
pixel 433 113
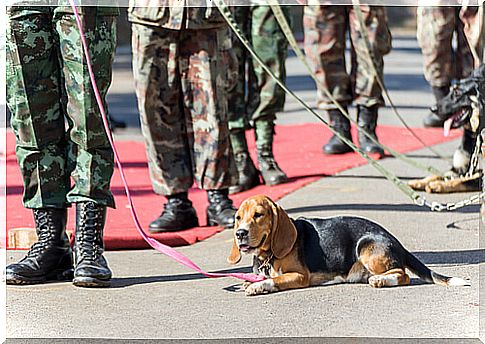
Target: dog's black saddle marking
pixel 330 244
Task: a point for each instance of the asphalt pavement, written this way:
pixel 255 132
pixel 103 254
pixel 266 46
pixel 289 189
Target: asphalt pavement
pixel 154 298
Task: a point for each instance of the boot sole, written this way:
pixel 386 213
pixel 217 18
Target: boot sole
pixel 63 275
pixel 90 282
pixel 13 279
pixel 278 182
pixel 337 152
pixel 237 189
pixel 380 154
pixel 165 230
pixel 212 223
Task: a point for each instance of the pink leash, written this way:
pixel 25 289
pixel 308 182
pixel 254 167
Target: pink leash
pixel 167 250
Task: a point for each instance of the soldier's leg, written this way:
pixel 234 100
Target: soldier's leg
pixel 368 93
pixel 471 33
pixel 33 97
pixel 325 30
pixel 236 93
pixel 267 97
pixel 162 115
pixel 435 27
pixel 204 94
pixel 90 155
pixel 237 108
pixel 469 55
pixel 464 57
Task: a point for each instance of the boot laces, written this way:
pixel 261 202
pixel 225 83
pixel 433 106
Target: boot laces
pixel 45 231
pixel 269 160
pixel 88 241
pixel 241 157
pixel 168 209
pixel 174 204
pixel 220 200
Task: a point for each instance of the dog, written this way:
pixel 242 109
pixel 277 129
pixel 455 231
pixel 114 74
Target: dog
pixel 464 106
pixel 449 183
pixel 321 251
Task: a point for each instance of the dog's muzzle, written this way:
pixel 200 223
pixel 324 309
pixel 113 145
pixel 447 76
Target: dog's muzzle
pixel 243 241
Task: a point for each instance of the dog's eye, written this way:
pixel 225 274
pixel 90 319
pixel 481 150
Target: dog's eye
pixel 238 218
pixel 257 215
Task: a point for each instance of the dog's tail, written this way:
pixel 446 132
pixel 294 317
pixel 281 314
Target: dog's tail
pixel 428 275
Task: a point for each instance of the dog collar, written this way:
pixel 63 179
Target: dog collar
pixel 265 267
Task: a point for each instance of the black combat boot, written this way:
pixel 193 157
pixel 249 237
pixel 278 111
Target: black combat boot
pixel 433 120
pixel 91 268
pixel 247 172
pixel 178 214
pixel 270 171
pixel 341 124
pixel 50 258
pixel 367 120
pixel 220 211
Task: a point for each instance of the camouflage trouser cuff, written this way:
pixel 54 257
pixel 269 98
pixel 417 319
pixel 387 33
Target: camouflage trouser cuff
pixel 369 101
pixel 235 127
pixel 363 101
pixel 264 132
pixel 324 103
pixel 238 121
pixel 110 202
pixel 238 141
pixel 321 105
pixel 265 116
pixel 37 205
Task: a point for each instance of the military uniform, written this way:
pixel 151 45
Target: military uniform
pixel 325 40
pixel 181 79
pixel 436 26
pixel 442 64
pixel 180 84
pixel 48 85
pixel 325 33
pixel 264 97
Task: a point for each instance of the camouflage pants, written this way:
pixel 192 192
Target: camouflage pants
pixel 264 97
pixel 47 86
pixel 325 31
pixel 436 26
pixel 180 82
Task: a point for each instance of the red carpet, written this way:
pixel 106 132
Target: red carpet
pixel 297 149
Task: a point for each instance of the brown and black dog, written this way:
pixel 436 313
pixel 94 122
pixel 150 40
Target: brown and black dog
pixel 320 251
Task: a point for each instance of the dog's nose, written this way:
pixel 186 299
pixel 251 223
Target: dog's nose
pixel 241 233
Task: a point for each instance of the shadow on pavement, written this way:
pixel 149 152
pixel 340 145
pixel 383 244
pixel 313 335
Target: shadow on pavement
pixel 465 257
pixel 474 209
pixel 361 176
pixel 122 282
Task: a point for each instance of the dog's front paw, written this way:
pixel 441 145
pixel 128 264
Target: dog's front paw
pixel 258 288
pixel 421 184
pixel 246 285
pixel 377 281
pixel 438 186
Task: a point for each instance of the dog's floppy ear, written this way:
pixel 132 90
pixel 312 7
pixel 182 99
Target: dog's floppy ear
pixel 284 234
pixel 235 255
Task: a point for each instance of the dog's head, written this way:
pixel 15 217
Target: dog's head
pixel 465 96
pixel 262 226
